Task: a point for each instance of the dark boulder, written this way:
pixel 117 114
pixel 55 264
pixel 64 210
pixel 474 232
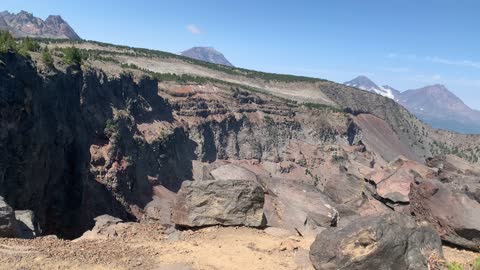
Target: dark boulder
pixel 229 202
pixel 392 241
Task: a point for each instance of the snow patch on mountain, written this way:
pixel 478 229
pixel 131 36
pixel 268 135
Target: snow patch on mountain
pixel 364 83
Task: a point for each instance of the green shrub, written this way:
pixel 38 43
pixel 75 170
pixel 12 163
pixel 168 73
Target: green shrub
pixel 132 66
pixel 323 107
pixel 7 43
pixel 30 45
pixel 476 264
pixel 337 158
pixel 111 125
pixel 47 57
pixel 454 266
pixel 303 162
pixel 72 56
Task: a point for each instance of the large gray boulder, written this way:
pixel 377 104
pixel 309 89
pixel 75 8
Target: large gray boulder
pixel 392 241
pixel 230 203
pixel 8 224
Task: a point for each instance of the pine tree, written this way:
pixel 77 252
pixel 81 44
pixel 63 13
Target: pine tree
pixel 47 57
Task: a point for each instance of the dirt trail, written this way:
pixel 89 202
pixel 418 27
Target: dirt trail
pixel 144 247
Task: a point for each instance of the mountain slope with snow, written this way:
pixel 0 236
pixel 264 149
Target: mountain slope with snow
pixel 364 83
pixel 433 104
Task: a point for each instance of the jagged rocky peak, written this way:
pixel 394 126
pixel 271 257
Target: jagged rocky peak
pixel 25 24
pixel 207 54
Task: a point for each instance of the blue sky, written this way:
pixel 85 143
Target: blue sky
pixel 406 44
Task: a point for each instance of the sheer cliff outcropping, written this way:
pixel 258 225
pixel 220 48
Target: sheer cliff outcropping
pixel 51 127
pixel 78 144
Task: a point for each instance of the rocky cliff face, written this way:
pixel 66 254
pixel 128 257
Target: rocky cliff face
pixel 61 158
pixel 79 144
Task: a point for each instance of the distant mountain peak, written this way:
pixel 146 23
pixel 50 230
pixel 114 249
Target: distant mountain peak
pixel 24 24
pixel 437 94
pixel 434 104
pixel 207 54
pixel 364 83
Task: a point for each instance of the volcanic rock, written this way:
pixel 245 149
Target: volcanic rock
pixel 297 206
pixel 391 241
pixel 232 202
pixel 233 172
pixel 105 227
pixel 353 197
pixel 159 210
pixel 393 183
pixel 454 215
pixel 457 174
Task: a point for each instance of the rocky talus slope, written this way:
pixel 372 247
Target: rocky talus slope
pixel 181 152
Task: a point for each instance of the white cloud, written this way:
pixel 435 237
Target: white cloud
pixel 192 28
pixel 402 56
pixel 397 69
pixel 461 63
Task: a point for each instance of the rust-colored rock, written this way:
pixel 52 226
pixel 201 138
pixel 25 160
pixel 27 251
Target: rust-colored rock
pixel 454 215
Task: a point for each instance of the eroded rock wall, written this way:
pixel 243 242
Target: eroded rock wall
pixel 78 144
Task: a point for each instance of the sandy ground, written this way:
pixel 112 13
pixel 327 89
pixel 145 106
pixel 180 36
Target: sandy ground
pixel 463 257
pixel 144 247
